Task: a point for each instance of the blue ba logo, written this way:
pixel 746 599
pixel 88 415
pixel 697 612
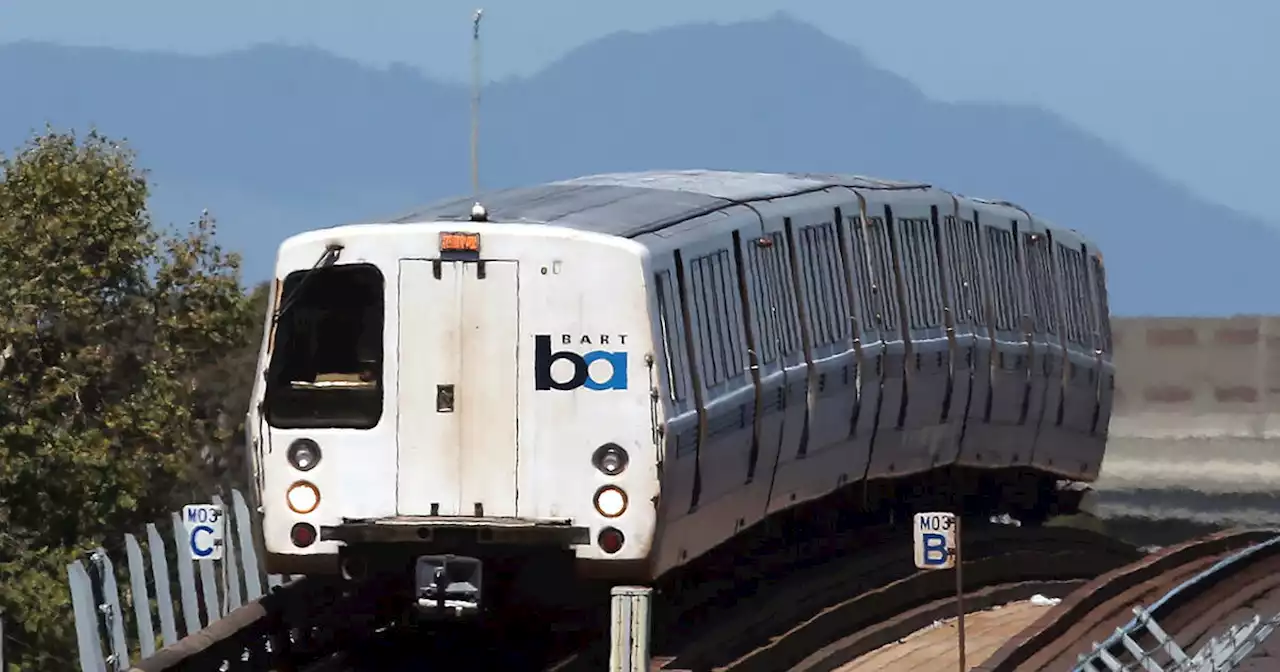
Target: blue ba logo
pixel 544 357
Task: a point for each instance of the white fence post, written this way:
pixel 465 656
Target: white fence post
pixel 629 629
pixel 239 560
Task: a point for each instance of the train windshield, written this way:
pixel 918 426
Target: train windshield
pixel 326 358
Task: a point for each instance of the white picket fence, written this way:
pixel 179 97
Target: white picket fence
pixel 101 624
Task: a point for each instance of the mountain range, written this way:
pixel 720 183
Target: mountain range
pixel 275 140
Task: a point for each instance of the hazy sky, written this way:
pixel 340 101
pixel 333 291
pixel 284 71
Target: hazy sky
pixel 1188 88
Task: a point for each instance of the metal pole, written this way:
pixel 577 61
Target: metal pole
pixel 960 593
pixel 475 102
pixel 629 629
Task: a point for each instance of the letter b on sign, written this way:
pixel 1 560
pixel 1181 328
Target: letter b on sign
pixel 544 357
pixel 935 540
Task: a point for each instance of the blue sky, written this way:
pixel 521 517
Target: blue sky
pixel 1187 88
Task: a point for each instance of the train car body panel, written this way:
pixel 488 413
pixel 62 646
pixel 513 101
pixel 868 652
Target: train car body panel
pixel 751 341
pixel 526 345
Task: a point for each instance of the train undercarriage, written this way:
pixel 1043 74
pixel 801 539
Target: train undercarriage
pixel 433 570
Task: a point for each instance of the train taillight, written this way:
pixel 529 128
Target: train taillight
pixel 303 535
pixel 610 540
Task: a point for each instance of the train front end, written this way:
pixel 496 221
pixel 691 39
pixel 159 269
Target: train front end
pixel 460 409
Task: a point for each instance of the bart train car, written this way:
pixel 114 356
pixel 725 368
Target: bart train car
pixel 613 375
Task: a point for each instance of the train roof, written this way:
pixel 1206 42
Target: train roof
pixel 632 204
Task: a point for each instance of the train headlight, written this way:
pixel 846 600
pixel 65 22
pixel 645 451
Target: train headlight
pixel 303 497
pixel 611 501
pixel 610 459
pixel 304 454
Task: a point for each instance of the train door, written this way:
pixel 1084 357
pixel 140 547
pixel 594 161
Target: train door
pixel 1046 348
pixel 973 336
pixel 1106 366
pixel 925 441
pixel 459 331
pixel 1000 438
pixel 890 308
pixel 868 343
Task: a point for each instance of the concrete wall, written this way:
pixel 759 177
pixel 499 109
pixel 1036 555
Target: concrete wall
pixel 1197 407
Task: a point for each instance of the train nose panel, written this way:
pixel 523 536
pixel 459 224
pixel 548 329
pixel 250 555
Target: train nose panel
pixel 459 328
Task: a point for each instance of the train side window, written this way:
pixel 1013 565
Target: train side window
pixel 720 325
pixel 1090 314
pixel 839 308
pixel 957 263
pixel 731 301
pixel 922 276
pixel 1104 302
pixel 861 271
pixel 698 301
pixel 973 260
pixel 809 286
pixel 1011 282
pixel 824 300
pixel 764 306
pixel 712 274
pixel 785 293
pixel 932 272
pixel 1070 308
pixel 672 340
pixel 1074 288
pixel 911 271
pixel 1000 277
pixel 882 261
pixel 1044 303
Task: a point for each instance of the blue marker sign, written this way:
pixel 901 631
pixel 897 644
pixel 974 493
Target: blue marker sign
pixel 935 540
pixel 206 529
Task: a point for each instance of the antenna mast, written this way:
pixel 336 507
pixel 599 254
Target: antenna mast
pixel 475 102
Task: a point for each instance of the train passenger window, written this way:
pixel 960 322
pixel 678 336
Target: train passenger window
pixel 911 271
pixel 1072 271
pixel 731 306
pixel 708 337
pixel 920 257
pixel 972 257
pixel 861 272
pixel 839 307
pixel 886 304
pixel 326 358
pixel 824 296
pixel 767 337
pixel 1104 303
pixel 1090 314
pixel 713 293
pixel 782 295
pixel 1007 278
pixel 672 335
pixel 959 265
pixel 810 281
pixel 1044 301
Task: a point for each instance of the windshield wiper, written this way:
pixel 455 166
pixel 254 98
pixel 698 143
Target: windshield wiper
pixel 327 258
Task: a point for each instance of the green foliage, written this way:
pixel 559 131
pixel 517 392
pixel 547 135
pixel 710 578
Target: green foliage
pixel 115 404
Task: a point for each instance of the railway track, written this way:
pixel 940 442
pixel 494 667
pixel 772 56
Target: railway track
pixel 839 597
pixel 847 604
pixel 1194 591
pixel 851 603
pixel 823 577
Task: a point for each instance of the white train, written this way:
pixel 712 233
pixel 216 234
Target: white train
pixel 614 374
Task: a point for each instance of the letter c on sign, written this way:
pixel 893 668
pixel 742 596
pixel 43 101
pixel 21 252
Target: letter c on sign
pixel 195 548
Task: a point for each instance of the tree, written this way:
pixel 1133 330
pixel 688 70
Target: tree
pixel 109 346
